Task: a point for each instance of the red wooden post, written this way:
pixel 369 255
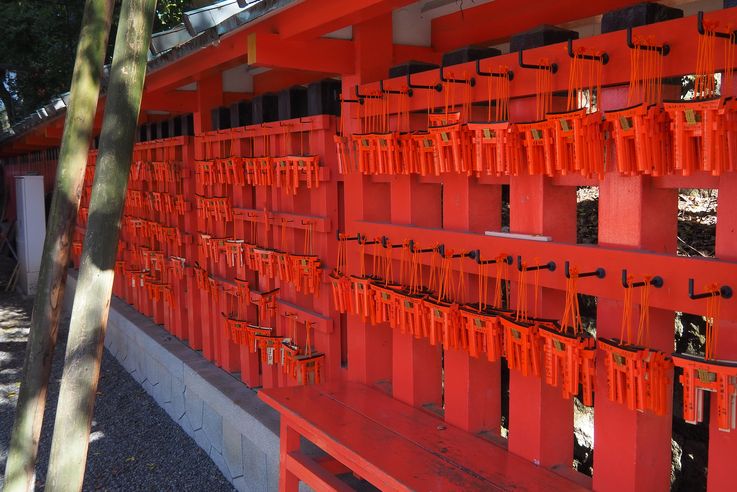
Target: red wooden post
pixel 243 198
pixel 190 222
pixel 472 385
pixel 416 365
pixel 369 347
pixel 632 448
pixel 324 202
pixel 264 201
pixel 540 421
pixel 179 287
pixel 723 445
pixel 209 95
pixel 228 351
pixel 288 442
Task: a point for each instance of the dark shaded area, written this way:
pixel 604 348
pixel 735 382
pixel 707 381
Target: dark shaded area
pixel 39 42
pixel 587 215
pixel 505 207
pixel 638 15
pixel 697 222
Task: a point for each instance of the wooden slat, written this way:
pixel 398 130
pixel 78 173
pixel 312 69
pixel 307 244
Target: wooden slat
pixel 478 456
pixel 390 443
pixel 374 452
pixel 311 473
pixel 675 270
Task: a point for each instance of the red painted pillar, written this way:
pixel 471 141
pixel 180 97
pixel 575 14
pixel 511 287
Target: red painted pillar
pixel 369 347
pixel 540 420
pixel 472 385
pixel 264 201
pixel 189 238
pixel 243 198
pixel 324 202
pixel 632 450
pixel 209 95
pixel 416 365
pixel 723 445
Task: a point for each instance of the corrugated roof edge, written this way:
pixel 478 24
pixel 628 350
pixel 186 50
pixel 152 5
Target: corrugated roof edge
pixel 202 40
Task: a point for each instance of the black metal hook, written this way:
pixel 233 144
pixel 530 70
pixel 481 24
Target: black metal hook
pixel 656 281
pixel 366 96
pixel 385 243
pixel 599 272
pixel 471 81
pixel 476 255
pixel 410 85
pixel 545 266
pixel 441 252
pixel 509 74
pixel 664 49
pixel 413 250
pixel 354 238
pixel 363 240
pixel 603 58
pixel 724 291
pixel 393 91
pixel 553 67
pixel 702 31
pixel 349 101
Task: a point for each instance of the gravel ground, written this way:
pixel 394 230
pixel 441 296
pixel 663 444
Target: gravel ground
pixel 134 444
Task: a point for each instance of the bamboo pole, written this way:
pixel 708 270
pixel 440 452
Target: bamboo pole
pixel 78 125
pixel 94 286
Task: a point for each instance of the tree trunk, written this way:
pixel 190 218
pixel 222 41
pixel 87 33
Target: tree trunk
pixel 95 282
pixel 80 117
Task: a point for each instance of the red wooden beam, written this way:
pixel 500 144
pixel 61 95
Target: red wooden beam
pixel 234 97
pixel 21 147
pixel 38 138
pixel 321 55
pixel 675 270
pixel 276 80
pixel 171 101
pixel 314 18
pixel 404 53
pixel 55 130
pixel 497 21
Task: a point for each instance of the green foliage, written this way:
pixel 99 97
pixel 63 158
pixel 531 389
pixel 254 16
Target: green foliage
pixel 39 41
pixel 169 14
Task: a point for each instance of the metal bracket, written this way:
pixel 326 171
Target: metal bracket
pixel 664 50
pixel 476 255
pixel 700 28
pixel 553 67
pixel 603 58
pixel 410 85
pixel 471 81
pixel 724 291
pixel 599 272
pixel 656 281
pixel 509 74
pixel 545 266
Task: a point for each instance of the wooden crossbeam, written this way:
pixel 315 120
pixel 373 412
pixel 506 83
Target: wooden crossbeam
pixel 317 55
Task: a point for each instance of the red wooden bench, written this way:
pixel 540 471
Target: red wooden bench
pixel 391 445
